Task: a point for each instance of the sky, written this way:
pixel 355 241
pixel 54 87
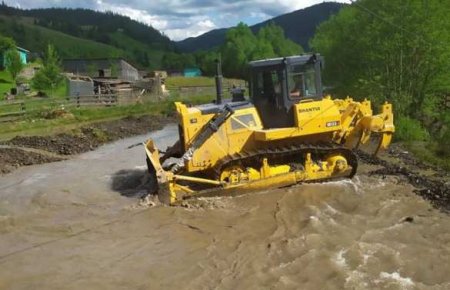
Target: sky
pixel 179 19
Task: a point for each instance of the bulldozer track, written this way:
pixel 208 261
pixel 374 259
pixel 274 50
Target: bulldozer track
pixel 251 157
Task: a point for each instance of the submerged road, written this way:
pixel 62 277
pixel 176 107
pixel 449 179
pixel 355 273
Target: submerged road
pixel 76 224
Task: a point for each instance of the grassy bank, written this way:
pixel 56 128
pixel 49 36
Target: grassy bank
pixel 39 119
pixel 428 152
pixel 199 81
pixel 6 83
pixel 38 125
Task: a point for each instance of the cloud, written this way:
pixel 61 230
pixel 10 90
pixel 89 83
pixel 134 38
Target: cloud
pixel 180 19
pixel 194 29
pixel 143 16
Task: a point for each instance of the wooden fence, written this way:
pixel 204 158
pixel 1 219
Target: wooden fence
pixel 95 100
pixel 18 109
pixel 186 91
pixel 12 110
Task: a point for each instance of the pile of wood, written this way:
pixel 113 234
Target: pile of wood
pixel 104 86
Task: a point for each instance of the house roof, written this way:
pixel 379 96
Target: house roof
pixel 22 49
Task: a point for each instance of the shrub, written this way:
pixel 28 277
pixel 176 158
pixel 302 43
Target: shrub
pixel 443 147
pixel 407 129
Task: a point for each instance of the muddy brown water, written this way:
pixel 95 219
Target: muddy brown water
pixel 76 224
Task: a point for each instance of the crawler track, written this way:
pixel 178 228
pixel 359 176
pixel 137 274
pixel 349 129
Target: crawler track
pixel 286 153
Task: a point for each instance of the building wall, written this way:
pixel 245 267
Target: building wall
pixel 86 67
pixel 192 72
pixel 23 56
pixel 80 88
pixel 128 72
pixel 110 67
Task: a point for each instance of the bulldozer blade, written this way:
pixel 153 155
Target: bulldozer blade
pixel 278 181
pixel 164 194
pixel 376 143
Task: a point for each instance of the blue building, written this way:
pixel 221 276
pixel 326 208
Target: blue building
pixel 192 72
pixel 23 56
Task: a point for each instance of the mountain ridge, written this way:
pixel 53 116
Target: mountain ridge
pixel 90 34
pixel 299 26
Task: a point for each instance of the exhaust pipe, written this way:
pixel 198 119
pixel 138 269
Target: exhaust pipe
pixel 218 78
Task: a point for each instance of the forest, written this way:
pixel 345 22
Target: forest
pixel 241 46
pixel 396 51
pixel 90 24
pixel 85 33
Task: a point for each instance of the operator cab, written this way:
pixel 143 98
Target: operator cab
pixel 279 83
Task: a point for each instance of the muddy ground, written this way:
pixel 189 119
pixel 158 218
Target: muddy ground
pixel 19 151
pixel 430 182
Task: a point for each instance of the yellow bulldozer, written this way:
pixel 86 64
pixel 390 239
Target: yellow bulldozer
pixel 288 132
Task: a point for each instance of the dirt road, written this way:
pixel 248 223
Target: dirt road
pixel 76 224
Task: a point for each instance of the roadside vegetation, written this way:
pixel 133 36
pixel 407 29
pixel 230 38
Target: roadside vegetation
pixel 48 77
pixel 395 51
pixel 6 82
pixel 42 121
pixel 198 81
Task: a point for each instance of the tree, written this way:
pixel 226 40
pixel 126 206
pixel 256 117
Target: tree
pixel 172 60
pixel 49 76
pixel 242 46
pixel 240 42
pixel 6 43
pixel 389 50
pixel 206 60
pixel 281 46
pixel 13 63
pixel 396 51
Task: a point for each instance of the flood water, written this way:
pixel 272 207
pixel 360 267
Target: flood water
pixel 76 224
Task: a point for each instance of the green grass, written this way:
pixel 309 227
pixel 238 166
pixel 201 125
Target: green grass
pixel 408 129
pixel 6 83
pixel 199 81
pixel 428 152
pixel 185 82
pixel 60 92
pixel 10 108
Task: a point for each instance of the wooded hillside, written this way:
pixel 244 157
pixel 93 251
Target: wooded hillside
pixel 396 51
pixel 85 33
pixel 298 26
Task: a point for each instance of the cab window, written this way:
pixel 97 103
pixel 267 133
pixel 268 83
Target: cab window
pixel 268 86
pixel 302 82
